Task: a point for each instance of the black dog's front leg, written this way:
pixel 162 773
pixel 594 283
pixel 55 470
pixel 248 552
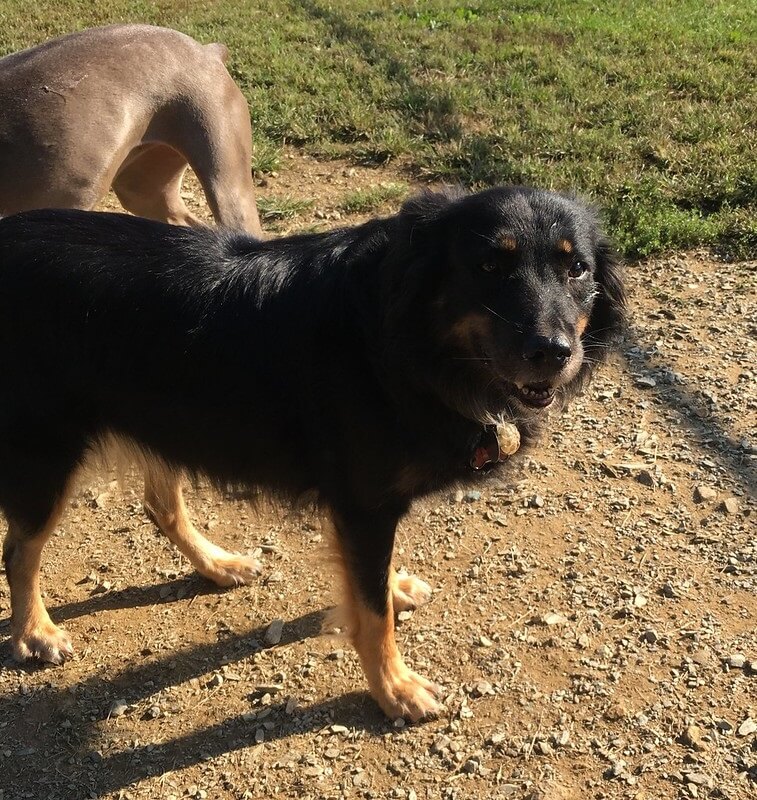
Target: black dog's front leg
pixel 364 543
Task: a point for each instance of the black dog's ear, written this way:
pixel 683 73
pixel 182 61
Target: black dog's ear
pixel 608 317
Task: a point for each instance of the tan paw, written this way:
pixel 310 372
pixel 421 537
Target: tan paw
pixel 46 642
pixel 231 569
pixel 404 693
pixel 409 592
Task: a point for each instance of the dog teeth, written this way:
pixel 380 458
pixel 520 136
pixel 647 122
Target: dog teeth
pixel 536 393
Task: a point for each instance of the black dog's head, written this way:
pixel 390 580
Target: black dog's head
pixel 523 296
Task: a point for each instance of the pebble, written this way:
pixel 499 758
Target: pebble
pixel 730 506
pixel 646 478
pixel 704 493
pixel 747 726
pixel 692 737
pixel 700 779
pixel 554 619
pixel 736 661
pixel 472 496
pixel 118 708
pixel 273 633
pixel 215 682
pixel 646 383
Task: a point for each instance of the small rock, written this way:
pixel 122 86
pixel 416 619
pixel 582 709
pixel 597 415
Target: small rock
pixel 545 748
pixel 747 726
pixel 649 636
pixel 118 708
pixel 736 661
pixel 618 767
pixel 482 688
pixel 704 493
pixel 215 682
pixel 692 737
pixel 273 633
pixel 730 506
pixel 537 501
pixel 646 382
pixel 404 616
pixel 646 478
pixel 472 496
pixel 700 779
pixel 562 738
pixel 554 619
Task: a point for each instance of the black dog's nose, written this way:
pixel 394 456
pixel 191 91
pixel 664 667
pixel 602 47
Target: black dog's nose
pixel 548 351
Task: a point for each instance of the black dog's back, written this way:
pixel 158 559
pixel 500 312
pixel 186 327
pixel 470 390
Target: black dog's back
pixel 161 334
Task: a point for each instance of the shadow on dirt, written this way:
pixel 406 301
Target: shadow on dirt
pixel 65 728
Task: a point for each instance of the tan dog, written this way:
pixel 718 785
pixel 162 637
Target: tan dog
pixel 130 106
pixel 127 106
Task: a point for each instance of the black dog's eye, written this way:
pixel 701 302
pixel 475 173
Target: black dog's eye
pixel 577 269
pixel 488 266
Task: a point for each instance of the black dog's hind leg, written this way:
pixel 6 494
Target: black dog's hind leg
pixel 364 543
pixel 164 501
pixel 33 499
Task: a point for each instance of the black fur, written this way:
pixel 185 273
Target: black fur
pixel 320 362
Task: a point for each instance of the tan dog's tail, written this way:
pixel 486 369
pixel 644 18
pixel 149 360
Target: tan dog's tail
pixel 220 51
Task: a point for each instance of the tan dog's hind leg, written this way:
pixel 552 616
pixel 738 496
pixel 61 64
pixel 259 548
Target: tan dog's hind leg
pixel 149 185
pixel 33 633
pixel 397 689
pixel 220 153
pixel 164 500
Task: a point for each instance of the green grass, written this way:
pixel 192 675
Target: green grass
pixel 362 201
pixel 272 209
pixel 646 107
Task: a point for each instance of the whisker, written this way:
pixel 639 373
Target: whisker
pixel 517 327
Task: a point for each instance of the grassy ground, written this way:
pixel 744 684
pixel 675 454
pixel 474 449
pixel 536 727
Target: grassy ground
pixel 648 107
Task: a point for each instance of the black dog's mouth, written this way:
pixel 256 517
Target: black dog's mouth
pixel 535 395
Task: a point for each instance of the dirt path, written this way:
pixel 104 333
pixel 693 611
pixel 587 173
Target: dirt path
pixel 593 621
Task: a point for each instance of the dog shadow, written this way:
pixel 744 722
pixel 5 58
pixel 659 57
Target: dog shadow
pixel 62 723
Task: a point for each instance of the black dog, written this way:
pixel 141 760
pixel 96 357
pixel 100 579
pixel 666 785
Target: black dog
pixel 369 365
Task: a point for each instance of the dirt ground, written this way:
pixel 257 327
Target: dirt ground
pixel 593 620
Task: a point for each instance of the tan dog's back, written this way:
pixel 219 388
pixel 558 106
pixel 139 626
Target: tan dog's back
pixel 128 106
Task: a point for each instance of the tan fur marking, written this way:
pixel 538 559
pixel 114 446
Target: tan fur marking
pixel 164 499
pixel 399 691
pixel 33 633
pixel 470 327
pixel 565 246
pixel 508 242
pixel 581 325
